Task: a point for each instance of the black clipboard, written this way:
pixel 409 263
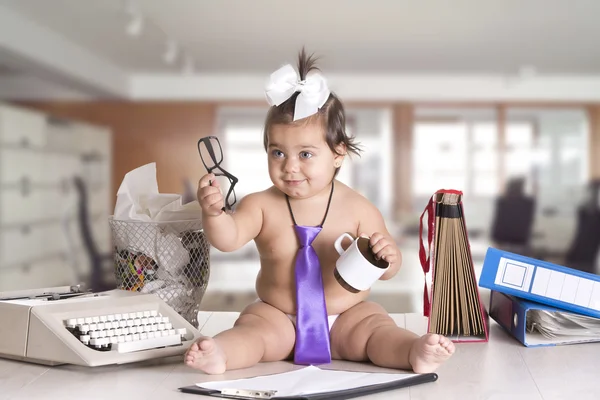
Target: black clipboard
pixel 335 395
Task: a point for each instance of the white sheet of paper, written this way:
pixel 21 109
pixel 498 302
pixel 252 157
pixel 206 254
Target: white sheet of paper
pixel 309 380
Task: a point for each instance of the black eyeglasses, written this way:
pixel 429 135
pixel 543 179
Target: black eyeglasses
pixel 211 155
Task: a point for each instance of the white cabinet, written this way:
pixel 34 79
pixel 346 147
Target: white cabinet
pixel 39 157
pixel 22 127
pixel 18 163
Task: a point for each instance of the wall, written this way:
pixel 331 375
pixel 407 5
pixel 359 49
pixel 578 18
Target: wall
pixel 144 132
pixel 167 132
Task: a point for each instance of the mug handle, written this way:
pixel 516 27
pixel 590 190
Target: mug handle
pixel 338 242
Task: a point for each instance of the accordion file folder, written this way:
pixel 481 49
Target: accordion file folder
pixel 514 315
pixel 451 297
pixel 542 282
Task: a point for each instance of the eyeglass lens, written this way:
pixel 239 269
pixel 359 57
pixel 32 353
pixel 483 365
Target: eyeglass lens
pixel 210 152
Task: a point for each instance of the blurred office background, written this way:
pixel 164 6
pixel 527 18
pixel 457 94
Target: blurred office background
pixel 499 99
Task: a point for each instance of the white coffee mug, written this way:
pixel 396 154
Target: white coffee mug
pixel 357 268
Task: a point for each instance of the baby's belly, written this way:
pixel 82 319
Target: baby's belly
pixel 281 294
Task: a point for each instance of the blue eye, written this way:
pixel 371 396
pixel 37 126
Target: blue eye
pixel 277 153
pixel 305 154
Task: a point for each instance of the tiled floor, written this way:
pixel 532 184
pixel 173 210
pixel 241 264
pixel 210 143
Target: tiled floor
pixel 231 284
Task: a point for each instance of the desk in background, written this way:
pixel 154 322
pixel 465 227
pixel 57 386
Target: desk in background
pixel 233 277
pixel 500 369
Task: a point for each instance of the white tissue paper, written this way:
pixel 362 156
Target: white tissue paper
pixel 138 199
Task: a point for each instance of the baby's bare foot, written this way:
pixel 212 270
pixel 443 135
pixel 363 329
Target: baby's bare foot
pixel 207 356
pixel 429 351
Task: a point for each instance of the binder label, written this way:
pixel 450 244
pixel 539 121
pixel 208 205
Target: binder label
pixel 555 286
pixel 567 288
pixel 540 283
pixel 584 292
pixel 514 274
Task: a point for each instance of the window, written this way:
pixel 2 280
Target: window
pixel 519 149
pixel 241 130
pixel 241 134
pixel 484 169
pixel 439 157
pixel 455 149
pixel 549 148
pixel 464 149
pixel 246 157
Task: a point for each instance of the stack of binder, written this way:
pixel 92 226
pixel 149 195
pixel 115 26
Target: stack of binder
pixel 541 303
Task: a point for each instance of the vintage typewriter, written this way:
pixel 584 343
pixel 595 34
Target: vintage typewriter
pixel 65 326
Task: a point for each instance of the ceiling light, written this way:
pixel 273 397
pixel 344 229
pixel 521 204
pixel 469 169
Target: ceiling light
pixel 136 22
pixel 135 25
pixel 170 54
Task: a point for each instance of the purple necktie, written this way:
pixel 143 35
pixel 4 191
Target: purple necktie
pixel 312 328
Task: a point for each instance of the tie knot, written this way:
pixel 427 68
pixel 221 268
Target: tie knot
pixel 307 234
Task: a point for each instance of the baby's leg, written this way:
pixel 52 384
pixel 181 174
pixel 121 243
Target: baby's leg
pixel 246 343
pixel 367 333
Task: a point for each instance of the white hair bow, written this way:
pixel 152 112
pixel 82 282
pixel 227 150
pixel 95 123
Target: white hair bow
pixel 284 82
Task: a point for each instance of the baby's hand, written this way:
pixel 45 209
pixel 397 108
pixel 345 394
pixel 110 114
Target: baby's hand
pixel 210 196
pixel 384 248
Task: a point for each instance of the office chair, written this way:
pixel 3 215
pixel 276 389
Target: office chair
pixel 99 263
pixel 583 252
pixel 513 219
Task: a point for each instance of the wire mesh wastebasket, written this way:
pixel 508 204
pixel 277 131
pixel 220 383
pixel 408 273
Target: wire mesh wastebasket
pixel 170 259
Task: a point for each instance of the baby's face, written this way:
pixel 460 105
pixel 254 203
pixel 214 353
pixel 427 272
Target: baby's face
pixel 301 164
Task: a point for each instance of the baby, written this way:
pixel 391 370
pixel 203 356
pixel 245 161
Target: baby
pixel 306 143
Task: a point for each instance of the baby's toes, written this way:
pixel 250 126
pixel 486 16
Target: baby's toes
pixel 444 341
pixel 433 339
pixel 190 356
pixel 451 348
pixel 205 345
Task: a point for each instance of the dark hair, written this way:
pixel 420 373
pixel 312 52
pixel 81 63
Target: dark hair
pixel 331 114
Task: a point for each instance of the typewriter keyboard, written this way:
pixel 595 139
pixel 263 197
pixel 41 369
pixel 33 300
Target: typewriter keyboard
pixel 126 332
